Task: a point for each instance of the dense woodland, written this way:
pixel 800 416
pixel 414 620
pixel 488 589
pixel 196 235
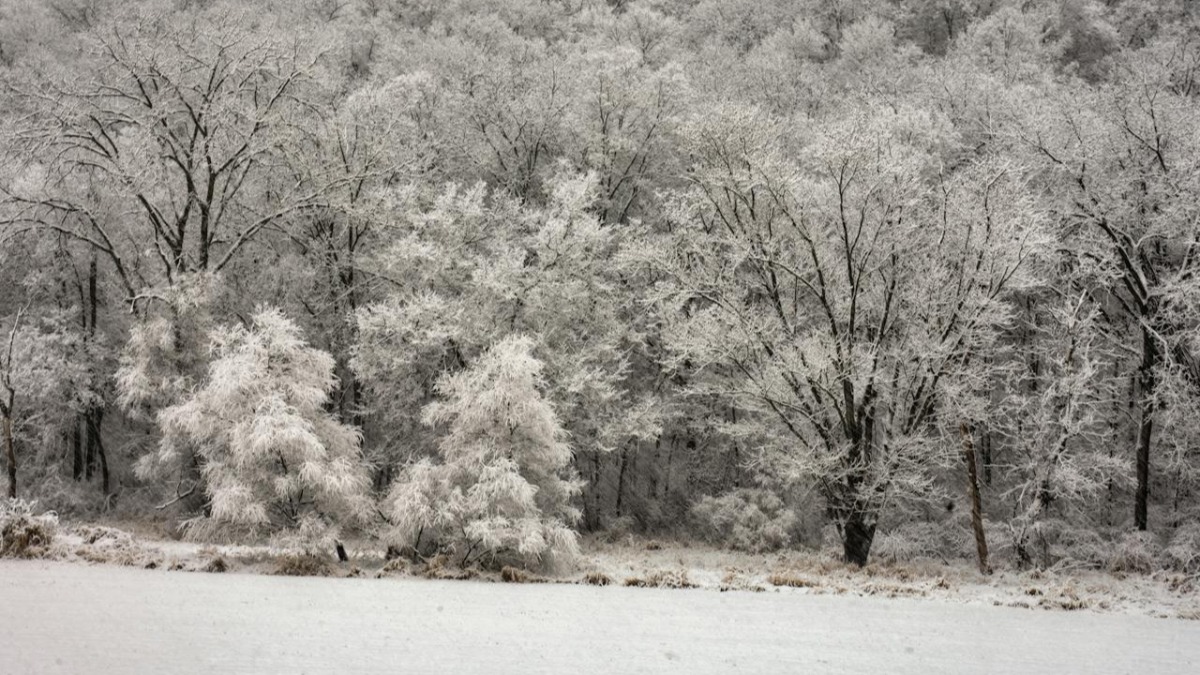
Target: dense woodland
pixel 478 276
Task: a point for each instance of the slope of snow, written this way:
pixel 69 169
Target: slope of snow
pixel 65 618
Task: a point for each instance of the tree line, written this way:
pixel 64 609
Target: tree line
pixel 907 278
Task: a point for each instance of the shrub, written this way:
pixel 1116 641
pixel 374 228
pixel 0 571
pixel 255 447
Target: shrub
pixel 752 520
pixel 23 534
pixel 1136 552
pixel 945 540
pixel 1183 551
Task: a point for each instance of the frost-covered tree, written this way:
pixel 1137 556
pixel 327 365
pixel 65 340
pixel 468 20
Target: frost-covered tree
pixel 501 487
pixel 272 458
pixel 475 267
pixel 836 303
pixel 42 366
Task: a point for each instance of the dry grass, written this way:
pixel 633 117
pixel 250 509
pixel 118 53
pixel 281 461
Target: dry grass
pixel 1063 603
pixel 393 566
pixel 735 580
pixel 302 566
pixel 597 579
pixel 24 536
pixel 892 590
pixel 1065 598
pixel 438 567
pixel 217 566
pixel 512 575
pixel 662 579
pixel 1189 613
pixel 790 580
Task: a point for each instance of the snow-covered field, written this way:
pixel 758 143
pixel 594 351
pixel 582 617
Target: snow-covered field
pixel 67 618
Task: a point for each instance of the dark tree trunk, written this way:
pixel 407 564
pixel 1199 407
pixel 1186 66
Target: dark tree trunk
pixel 621 479
pixel 981 547
pixel 987 457
pixel 96 446
pixel 10 454
pixel 77 447
pixel 89 446
pixel 1146 381
pixel 857 536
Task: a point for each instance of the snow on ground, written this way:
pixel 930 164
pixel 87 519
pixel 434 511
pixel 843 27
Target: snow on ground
pixel 647 563
pixel 64 618
pixel 1162 595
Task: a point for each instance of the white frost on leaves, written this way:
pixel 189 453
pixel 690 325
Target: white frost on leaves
pixel 272 457
pixel 502 489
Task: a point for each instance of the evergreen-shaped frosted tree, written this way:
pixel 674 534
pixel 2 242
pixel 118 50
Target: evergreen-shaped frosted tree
pixel 273 460
pixel 502 491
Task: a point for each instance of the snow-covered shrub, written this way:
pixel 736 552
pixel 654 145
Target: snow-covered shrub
pixel 748 519
pixel 1136 552
pixel 1183 551
pixel 949 539
pixel 1054 541
pixel 22 533
pixel 273 460
pixel 500 491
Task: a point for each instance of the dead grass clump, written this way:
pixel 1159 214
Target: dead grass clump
pixel 890 590
pixel 110 546
pixel 302 566
pixel 216 566
pixel 735 581
pixel 22 534
pixel 512 575
pixel 597 579
pixel 25 539
pixel 438 567
pixel 663 579
pixel 100 534
pixel 1065 603
pixel 393 566
pixel 1189 613
pixel 448 573
pixel 1065 598
pixel 791 581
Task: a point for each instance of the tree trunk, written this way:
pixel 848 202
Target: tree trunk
pixel 77 448
pixel 621 478
pixel 1146 380
pixel 96 446
pixel 10 454
pixel 981 548
pixel 857 536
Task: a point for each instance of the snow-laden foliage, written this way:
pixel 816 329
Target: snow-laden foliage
pixel 796 244
pixel 272 459
pixel 753 520
pixel 500 489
